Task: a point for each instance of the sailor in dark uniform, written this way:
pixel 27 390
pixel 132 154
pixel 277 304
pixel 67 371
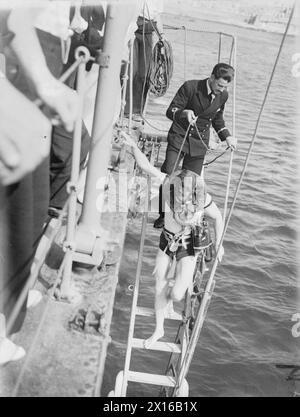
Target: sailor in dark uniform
pixel 197 105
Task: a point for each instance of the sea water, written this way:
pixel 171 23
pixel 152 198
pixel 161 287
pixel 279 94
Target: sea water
pixel 248 328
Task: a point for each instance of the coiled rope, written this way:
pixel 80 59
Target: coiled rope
pixel 160 68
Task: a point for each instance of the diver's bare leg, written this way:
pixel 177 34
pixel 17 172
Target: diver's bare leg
pixel 184 277
pixel 161 296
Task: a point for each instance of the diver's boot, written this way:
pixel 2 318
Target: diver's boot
pixel 160 222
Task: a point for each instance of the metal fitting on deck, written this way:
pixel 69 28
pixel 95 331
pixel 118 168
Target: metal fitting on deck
pixel 102 59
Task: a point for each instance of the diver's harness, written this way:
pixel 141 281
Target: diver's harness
pixel 199 234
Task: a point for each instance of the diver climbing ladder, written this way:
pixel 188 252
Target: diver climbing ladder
pixel 178 349
pixel 173 382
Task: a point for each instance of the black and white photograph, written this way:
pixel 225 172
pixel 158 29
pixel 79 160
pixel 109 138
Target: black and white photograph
pixel 149 201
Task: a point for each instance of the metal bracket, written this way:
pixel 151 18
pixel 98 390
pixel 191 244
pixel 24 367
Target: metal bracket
pixel 69 246
pixel 102 59
pixel 71 187
pixel 82 54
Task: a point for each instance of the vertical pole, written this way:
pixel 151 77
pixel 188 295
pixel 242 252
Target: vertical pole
pixel 5 258
pixel 124 91
pixel 71 223
pixel 131 87
pixel 184 53
pixel 231 50
pixel 220 46
pixel 119 15
pixel 233 132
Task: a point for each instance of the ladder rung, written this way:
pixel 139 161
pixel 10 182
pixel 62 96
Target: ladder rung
pixel 153 379
pixel 149 312
pixel 162 346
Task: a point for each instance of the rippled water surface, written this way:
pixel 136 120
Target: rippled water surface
pixel 248 326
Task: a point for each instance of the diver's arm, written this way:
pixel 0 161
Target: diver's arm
pixel 141 159
pixel 214 213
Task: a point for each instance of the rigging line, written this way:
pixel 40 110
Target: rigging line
pixel 150 20
pixel 200 137
pixel 217 157
pixel 37 333
pixel 208 149
pixel 152 125
pixel 203 308
pixel 180 150
pixel 170 27
pixel 145 62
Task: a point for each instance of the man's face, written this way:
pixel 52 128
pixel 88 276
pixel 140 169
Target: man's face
pixel 218 85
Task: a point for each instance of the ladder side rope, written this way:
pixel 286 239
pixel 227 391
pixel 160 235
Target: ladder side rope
pixel 209 286
pixel 135 297
pixel 141 250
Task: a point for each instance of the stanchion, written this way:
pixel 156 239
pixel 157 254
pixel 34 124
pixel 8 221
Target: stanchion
pixel 89 245
pixel 82 54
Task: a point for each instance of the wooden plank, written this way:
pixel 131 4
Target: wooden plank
pixel 153 379
pixel 161 346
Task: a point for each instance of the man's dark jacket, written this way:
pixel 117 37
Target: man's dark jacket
pixel 193 95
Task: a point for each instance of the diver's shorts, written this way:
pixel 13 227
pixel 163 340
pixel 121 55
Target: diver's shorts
pixel 182 251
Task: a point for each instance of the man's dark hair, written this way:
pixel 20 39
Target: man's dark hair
pixel 224 71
